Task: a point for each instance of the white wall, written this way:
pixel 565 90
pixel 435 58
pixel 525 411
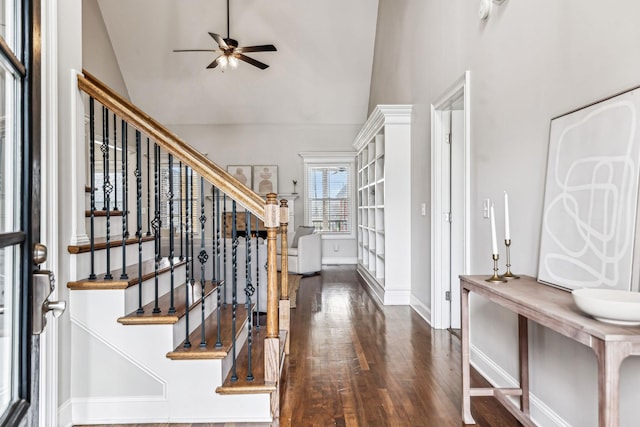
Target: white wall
pixel 98 57
pixel 276 145
pixel 530 62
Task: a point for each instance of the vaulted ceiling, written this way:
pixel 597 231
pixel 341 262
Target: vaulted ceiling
pixel 320 74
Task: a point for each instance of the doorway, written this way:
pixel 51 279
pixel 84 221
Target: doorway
pixel 450 202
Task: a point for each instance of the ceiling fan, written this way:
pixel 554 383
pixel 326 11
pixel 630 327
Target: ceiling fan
pixel 231 52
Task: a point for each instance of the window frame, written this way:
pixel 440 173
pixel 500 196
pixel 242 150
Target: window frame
pixel 331 159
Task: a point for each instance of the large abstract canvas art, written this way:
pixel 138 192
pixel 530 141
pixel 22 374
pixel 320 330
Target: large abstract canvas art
pixel 591 196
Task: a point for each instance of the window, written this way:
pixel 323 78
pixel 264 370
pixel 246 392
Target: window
pixel 329 192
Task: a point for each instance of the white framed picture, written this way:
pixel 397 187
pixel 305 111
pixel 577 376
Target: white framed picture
pixel 241 172
pixel 265 179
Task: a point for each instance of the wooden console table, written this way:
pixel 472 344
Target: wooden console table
pixel 554 309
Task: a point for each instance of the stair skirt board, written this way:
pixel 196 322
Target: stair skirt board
pixel 188 385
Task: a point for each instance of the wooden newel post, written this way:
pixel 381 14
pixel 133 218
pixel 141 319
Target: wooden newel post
pixel 272 341
pixel 284 249
pixel 285 304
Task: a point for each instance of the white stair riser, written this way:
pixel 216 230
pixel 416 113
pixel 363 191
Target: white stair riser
pixel 83 266
pixel 148 288
pixel 115 225
pixel 195 318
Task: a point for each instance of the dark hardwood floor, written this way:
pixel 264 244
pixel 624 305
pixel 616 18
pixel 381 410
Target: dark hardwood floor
pixel 353 363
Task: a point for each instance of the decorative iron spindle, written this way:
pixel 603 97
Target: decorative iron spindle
pixel 125 213
pixel 170 195
pixel 234 283
pixel 125 151
pixel 257 271
pixel 92 179
pixel 180 207
pixel 216 204
pixel 202 257
pixel 187 343
pixel 115 162
pixel 224 251
pixel 108 188
pixel 148 188
pixel 249 290
pixel 156 224
pixel 138 174
pixel 191 234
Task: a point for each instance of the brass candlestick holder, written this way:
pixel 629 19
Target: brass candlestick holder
pixel 509 275
pixel 495 277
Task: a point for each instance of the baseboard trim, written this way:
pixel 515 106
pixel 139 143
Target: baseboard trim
pixel 339 260
pixel 541 413
pixel 120 409
pixel 421 308
pixel 376 291
pixel 395 297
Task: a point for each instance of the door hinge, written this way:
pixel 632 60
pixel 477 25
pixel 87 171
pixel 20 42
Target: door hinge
pixel 447 295
pixel 447 138
pixel 447 217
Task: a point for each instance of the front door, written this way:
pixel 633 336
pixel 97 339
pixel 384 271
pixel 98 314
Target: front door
pixel 19 207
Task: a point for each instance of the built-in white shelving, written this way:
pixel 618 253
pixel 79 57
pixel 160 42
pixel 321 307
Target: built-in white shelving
pixel 383 167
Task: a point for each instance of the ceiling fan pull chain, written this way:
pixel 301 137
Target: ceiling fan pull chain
pixel 228 13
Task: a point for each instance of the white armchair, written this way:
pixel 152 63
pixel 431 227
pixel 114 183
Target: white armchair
pixel 304 252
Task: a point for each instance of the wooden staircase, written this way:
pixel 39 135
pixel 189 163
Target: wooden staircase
pixel 150 344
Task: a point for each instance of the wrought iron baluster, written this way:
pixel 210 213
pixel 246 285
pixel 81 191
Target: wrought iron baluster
pixel 216 198
pixel 187 343
pixel 108 188
pixel 249 290
pixel 148 188
pixel 138 174
pixel 115 162
pixel 156 224
pixel 234 284
pixel 202 257
pixel 224 251
pixel 180 207
pixel 92 183
pixel 125 212
pixel 172 308
pixel 258 271
pixel 191 234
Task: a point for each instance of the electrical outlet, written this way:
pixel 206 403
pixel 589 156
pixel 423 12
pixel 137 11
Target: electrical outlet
pixel 336 248
pixel 423 209
pixel 486 205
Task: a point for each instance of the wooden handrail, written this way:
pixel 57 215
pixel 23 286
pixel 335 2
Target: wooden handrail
pixel 172 143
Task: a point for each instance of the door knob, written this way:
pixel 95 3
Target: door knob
pixel 56 307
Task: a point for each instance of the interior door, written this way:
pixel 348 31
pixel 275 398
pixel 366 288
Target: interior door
pixel 19 208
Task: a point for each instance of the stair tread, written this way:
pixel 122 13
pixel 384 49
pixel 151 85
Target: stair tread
pixel 101 213
pixel 101 243
pixel 148 271
pixel 211 333
pixel 163 317
pixel 242 385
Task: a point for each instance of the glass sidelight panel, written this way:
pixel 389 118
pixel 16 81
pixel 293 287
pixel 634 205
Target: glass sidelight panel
pixel 9 278
pixel 10 154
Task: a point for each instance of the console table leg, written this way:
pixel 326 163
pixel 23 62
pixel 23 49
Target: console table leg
pixel 610 356
pixel 466 374
pixel 523 338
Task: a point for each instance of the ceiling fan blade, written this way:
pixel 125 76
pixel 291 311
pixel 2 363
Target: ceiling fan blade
pixel 196 50
pixel 261 48
pixel 214 64
pixel 251 61
pixel 219 40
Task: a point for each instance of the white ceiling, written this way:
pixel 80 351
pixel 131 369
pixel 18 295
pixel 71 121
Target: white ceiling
pixel 320 74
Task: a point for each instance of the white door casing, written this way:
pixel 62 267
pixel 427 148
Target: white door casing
pixel 450 257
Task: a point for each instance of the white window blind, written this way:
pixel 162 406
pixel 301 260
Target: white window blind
pixel 329 197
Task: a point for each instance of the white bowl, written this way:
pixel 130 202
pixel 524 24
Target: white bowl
pixel 609 305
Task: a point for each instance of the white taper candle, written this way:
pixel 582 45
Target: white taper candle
pixel 494 241
pixel 507 233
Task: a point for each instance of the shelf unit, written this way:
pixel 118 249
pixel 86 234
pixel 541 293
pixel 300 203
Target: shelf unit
pixel 383 167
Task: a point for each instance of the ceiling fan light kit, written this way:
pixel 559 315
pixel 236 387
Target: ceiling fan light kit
pixel 231 53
